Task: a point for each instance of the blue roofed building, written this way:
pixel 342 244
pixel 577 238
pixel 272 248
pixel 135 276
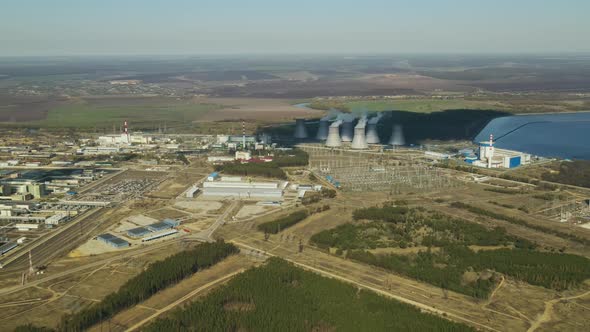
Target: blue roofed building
pixel 138 232
pixel 112 240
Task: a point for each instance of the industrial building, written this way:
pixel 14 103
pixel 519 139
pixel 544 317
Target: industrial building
pixel 112 240
pixel 163 225
pixel 7 247
pixel 159 235
pixel 138 232
pixel 240 189
pixel 21 189
pixel 190 193
pixel 125 138
pixel 492 157
pixel 55 219
pixel 26 227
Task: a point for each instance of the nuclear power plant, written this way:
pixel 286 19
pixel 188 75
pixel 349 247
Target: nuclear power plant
pixel 333 139
pixel 300 130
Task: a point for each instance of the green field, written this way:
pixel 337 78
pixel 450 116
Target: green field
pixel 142 112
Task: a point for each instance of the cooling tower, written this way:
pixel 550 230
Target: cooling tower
pixel 397 136
pixel 372 135
pixel 347 130
pixel 359 142
pixel 334 140
pixel 323 130
pixel 300 130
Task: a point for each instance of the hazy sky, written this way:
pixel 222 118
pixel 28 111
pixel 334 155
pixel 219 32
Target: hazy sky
pixel 56 27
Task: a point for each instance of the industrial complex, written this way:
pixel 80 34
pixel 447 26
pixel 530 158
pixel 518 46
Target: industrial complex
pixel 114 203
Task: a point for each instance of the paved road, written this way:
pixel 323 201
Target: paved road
pixel 183 299
pixel 123 255
pixel 207 234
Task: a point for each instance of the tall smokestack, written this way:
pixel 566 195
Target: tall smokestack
pixel 359 142
pixel 126 132
pixel 333 139
pixel 397 136
pixel 243 134
pixel 491 154
pixel 300 130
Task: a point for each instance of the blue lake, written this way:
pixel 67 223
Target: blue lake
pixel 546 135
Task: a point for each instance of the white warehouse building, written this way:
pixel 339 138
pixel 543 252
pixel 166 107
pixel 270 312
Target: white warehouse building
pixel 266 190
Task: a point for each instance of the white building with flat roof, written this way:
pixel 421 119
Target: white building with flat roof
pixel 244 190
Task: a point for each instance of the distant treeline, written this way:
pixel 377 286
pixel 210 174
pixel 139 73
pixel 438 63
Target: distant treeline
pixel 267 169
pixel 521 222
pixel 156 277
pixel 271 169
pixel 277 225
pixel 281 297
pixel 576 173
pixel 295 157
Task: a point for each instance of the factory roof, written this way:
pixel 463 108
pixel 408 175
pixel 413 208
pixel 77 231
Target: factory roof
pixel 137 232
pixel 171 222
pixel 7 247
pixel 110 238
pixel 159 235
pixel 159 226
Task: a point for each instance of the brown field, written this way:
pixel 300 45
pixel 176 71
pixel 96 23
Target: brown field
pixel 417 82
pixel 166 213
pixel 50 300
pixel 265 110
pixel 22 109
